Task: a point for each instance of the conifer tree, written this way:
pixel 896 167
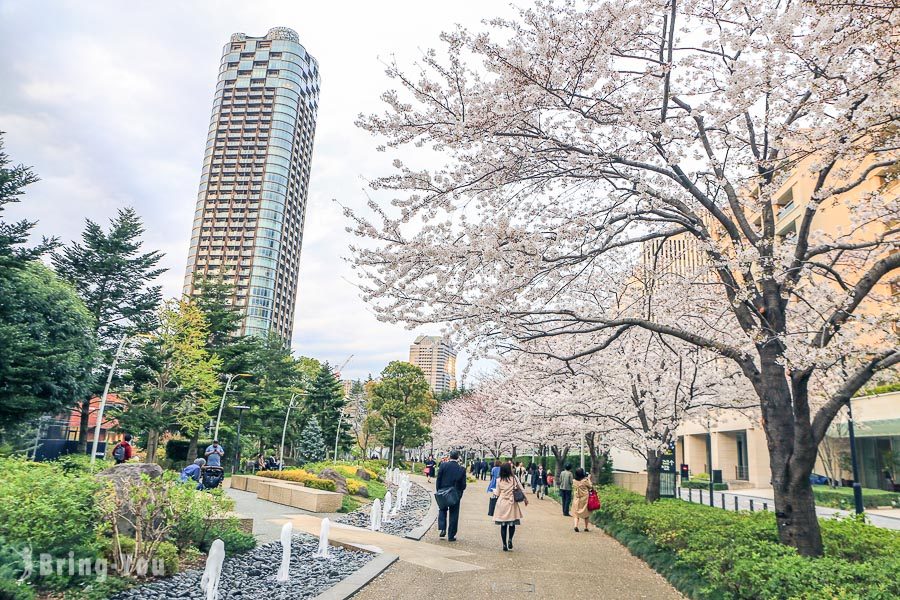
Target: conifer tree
pixel 326 402
pixel 113 278
pixel 312 445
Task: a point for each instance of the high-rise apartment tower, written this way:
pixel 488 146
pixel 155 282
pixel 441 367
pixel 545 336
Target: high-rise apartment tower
pixel 248 226
pixel 437 358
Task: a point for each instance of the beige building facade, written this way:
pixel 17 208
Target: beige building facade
pixel 437 358
pixel 737 442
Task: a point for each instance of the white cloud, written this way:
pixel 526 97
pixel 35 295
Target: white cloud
pixel 110 102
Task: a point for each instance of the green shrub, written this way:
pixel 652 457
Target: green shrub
pixel 196 511
pixel 842 497
pixel 703 485
pixel 300 476
pixel 10 589
pixel 165 551
pixel 43 506
pixel 737 555
pixel 235 539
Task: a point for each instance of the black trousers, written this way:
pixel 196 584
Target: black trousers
pixel 566 496
pixel 454 520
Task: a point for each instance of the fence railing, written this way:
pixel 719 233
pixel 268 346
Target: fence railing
pixel 742 472
pixel 722 500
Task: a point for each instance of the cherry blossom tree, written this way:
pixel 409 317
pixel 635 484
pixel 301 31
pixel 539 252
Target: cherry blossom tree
pixel 581 129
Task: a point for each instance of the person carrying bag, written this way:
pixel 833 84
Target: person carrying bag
pixel 508 494
pixel 450 485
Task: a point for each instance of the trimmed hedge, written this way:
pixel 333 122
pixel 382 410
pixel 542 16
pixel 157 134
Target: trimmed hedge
pixel 300 476
pixel 842 497
pixel 695 484
pixel 737 555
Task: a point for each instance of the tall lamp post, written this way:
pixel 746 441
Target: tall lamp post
pixel 228 379
pixel 237 452
pixel 854 463
pixel 284 429
pixel 102 409
pixel 394 443
pixel 337 436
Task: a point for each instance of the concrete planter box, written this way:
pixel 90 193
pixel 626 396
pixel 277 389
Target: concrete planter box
pixel 297 496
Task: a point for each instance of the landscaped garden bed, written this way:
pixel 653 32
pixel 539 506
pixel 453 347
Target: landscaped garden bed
pixel 842 497
pixel 252 574
pixel 711 553
pixel 408 518
pixel 59 510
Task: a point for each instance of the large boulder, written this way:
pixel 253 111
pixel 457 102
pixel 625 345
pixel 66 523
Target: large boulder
pixel 340 482
pixel 363 474
pixel 123 477
pixel 130 472
pixel 363 491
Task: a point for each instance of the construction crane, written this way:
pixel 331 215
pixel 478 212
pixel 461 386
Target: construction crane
pixel 337 371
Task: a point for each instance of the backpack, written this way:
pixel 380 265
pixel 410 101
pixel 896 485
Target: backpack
pixel 119 452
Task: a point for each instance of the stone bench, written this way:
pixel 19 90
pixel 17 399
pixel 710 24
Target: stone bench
pixel 297 496
pixel 248 483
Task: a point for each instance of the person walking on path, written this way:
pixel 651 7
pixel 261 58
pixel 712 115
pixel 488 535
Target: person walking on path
pixel 450 475
pixel 565 488
pixel 430 467
pixel 581 489
pixel 539 482
pixel 520 472
pixel 508 513
pixel 495 473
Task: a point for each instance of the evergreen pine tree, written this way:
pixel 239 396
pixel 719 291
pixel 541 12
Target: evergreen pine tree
pixel 312 445
pixel 113 278
pixel 326 402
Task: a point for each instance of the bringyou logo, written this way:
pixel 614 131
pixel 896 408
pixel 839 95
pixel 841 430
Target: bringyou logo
pixel 33 566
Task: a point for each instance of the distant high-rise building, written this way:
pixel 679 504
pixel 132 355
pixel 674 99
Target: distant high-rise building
pixel 437 358
pixel 248 226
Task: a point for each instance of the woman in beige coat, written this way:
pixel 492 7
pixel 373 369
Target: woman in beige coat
pixel 507 513
pixel 581 487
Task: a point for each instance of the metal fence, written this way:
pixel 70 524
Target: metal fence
pixel 723 500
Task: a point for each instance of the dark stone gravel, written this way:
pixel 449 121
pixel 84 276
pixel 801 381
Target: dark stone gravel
pixel 410 516
pixel 252 574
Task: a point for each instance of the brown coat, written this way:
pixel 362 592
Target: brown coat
pixel 507 508
pixel 580 491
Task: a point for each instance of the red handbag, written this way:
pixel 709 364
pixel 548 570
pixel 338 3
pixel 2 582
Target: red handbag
pixel 593 500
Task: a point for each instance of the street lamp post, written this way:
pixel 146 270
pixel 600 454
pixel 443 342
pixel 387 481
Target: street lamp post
pixel 284 431
pixel 102 409
pixel 337 436
pixel 582 447
pixel 228 379
pixel 394 443
pixel 237 452
pixel 857 486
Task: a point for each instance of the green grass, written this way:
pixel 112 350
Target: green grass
pixel 842 497
pixel 376 489
pixel 349 504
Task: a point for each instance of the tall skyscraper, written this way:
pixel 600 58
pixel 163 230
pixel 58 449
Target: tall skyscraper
pixel 248 226
pixel 437 358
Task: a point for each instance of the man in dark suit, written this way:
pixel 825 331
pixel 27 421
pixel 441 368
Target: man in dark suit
pixel 450 474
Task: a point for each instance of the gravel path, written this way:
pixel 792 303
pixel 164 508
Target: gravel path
pixel 417 505
pixel 252 574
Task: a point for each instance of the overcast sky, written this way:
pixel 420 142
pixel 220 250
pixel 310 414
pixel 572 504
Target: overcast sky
pixel 110 103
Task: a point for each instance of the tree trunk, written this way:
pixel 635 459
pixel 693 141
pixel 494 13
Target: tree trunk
pixel 560 456
pixel 152 444
pixel 514 454
pixel 792 453
pixel 654 462
pixel 83 425
pixel 598 459
pixel 192 447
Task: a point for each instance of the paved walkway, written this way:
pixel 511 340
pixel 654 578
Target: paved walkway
pixel 550 560
pixel 763 499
